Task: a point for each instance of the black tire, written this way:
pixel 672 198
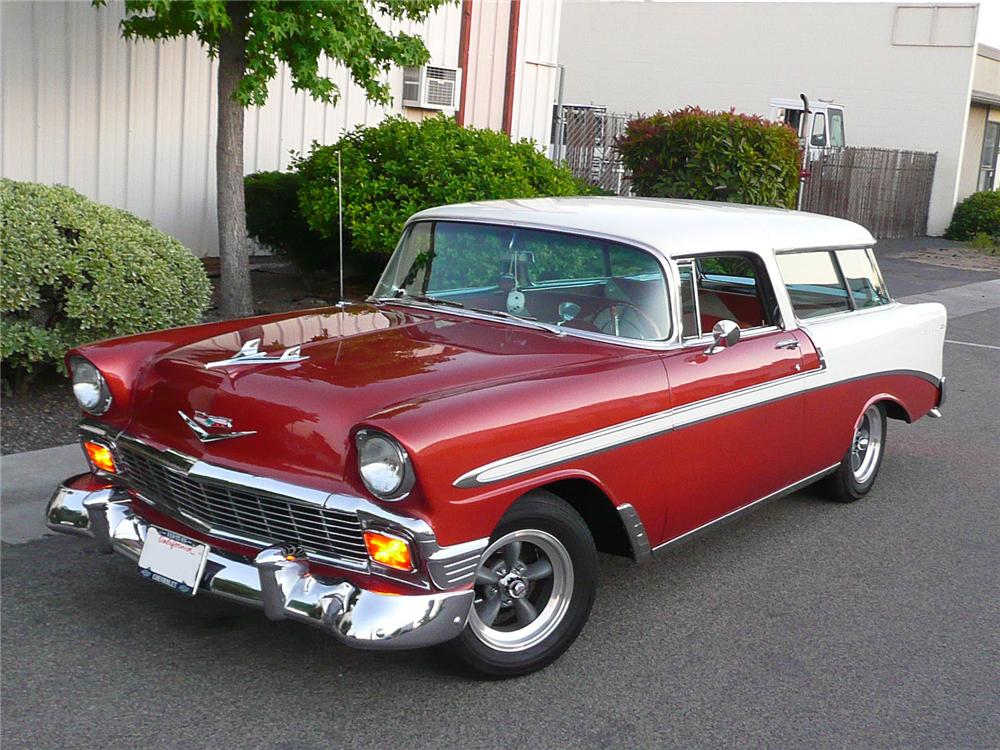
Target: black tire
pixel 844 485
pixel 547 516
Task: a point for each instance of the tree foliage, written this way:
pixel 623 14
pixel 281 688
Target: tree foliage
pixel 297 34
pixel 399 167
pixel 723 156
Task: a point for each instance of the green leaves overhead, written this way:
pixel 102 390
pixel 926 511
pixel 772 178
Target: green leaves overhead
pixel 298 34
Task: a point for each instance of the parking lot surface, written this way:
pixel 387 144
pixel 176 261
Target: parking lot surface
pixel 805 624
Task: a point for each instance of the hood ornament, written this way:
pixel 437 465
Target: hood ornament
pixel 250 354
pixel 201 420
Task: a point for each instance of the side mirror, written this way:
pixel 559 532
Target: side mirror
pixel 726 333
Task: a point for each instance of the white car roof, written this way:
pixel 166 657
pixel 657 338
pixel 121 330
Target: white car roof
pixel 673 227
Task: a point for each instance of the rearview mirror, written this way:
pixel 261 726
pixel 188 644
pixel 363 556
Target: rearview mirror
pixel 726 333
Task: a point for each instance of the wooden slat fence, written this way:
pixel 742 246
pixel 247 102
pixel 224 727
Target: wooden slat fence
pixel 886 191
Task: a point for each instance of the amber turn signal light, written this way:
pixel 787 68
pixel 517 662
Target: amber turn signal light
pixel 100 457
pixel 389 550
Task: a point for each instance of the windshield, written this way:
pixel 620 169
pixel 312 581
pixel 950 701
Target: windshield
pixel 572 281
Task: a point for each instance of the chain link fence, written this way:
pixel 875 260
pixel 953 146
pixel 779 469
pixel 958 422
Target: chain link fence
pixel 588 146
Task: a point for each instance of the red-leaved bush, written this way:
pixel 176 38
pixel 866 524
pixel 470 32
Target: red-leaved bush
pixel 722 156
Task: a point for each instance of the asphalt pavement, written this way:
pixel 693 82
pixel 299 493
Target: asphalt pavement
pixel 804 625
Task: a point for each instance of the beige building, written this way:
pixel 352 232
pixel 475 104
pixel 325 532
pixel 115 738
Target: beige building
pixel 982 135
pixel 903 72
pixel 132 124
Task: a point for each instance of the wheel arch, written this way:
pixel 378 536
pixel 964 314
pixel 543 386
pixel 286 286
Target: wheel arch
pixel 605 520
pixel 894 408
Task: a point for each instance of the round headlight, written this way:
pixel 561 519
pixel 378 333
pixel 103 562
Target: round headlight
pixel 384 465
pixel 89 386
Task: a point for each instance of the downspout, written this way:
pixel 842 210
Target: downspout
pixel 508 94
pixel 464 34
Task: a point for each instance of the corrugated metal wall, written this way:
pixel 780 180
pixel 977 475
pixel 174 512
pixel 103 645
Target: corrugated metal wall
pixel 133 124
pixel 537 71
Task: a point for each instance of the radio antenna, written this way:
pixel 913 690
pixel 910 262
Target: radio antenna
pixel 340 223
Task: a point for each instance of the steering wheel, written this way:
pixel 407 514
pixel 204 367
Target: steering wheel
pixel 621 318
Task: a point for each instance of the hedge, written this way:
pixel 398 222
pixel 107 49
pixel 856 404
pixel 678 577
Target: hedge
pixel 273 217
pixel 399 167
pixel 76 271
pixel 979 213
pixel 691 153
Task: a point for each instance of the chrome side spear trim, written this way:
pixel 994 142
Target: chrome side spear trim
pixel 250 354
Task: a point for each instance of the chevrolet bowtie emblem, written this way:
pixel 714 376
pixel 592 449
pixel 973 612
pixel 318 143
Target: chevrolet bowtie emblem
pixel 201 420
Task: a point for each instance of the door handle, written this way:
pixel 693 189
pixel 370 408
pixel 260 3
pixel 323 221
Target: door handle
pixel 790 344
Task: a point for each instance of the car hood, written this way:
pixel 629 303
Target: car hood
pixel 360 361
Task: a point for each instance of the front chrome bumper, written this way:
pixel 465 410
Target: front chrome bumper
pixel 283 587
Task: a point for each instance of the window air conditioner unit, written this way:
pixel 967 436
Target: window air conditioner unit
pixel 432 87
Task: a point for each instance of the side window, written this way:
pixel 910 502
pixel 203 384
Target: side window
pixel 863 279
pixel 837 128
pixel 814 284
pixel 819 130
pixel 689 302
pixel 732 287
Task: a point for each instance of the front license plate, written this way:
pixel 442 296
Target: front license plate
pixel 173 560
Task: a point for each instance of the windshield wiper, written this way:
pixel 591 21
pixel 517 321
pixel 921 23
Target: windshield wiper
pixel 425 299
pixel 533 322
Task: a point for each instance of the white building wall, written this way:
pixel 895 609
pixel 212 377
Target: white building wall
pixel 487 70
pixel 132 124
pixel 537 73
pixel 911 94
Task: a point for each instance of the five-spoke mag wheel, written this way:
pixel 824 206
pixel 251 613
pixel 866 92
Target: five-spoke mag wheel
pixel 523 588
pixel 856 474
pixel 534 588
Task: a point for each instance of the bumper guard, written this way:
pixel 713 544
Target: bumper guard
pixel 275 581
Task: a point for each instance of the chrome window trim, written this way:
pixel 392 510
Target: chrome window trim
pixel 823 248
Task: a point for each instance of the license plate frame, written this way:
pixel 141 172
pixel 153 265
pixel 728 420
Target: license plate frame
pixel 173 560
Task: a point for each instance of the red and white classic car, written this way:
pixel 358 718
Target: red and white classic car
pixel 531 381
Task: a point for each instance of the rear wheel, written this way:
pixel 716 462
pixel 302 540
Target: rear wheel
pixel 856 474
pixel 534 587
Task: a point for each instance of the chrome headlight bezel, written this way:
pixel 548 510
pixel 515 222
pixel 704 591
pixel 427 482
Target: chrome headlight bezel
pixel 89 386
pixel 394 454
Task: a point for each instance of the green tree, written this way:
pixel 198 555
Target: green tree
pixel 250 40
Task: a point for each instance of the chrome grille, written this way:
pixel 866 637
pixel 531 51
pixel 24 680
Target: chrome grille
pixel 222 507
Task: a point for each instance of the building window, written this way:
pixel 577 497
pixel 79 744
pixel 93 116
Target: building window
pixel 988 163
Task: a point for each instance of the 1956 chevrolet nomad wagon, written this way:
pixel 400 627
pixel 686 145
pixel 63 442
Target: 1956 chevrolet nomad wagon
pixel 531 381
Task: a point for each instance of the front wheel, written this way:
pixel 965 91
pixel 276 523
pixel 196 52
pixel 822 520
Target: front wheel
pixel 856 474
pixel 534 588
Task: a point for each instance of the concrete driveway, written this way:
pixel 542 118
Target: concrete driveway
pixel 806 624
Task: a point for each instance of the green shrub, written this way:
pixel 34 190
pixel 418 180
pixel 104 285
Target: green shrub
pixel 76 271
pixel 399 167
pixel 273 217
pixel 723 156
pixel 980 212
pixel 989 244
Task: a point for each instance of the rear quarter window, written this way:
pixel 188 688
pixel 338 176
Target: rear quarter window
pixel 826 282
